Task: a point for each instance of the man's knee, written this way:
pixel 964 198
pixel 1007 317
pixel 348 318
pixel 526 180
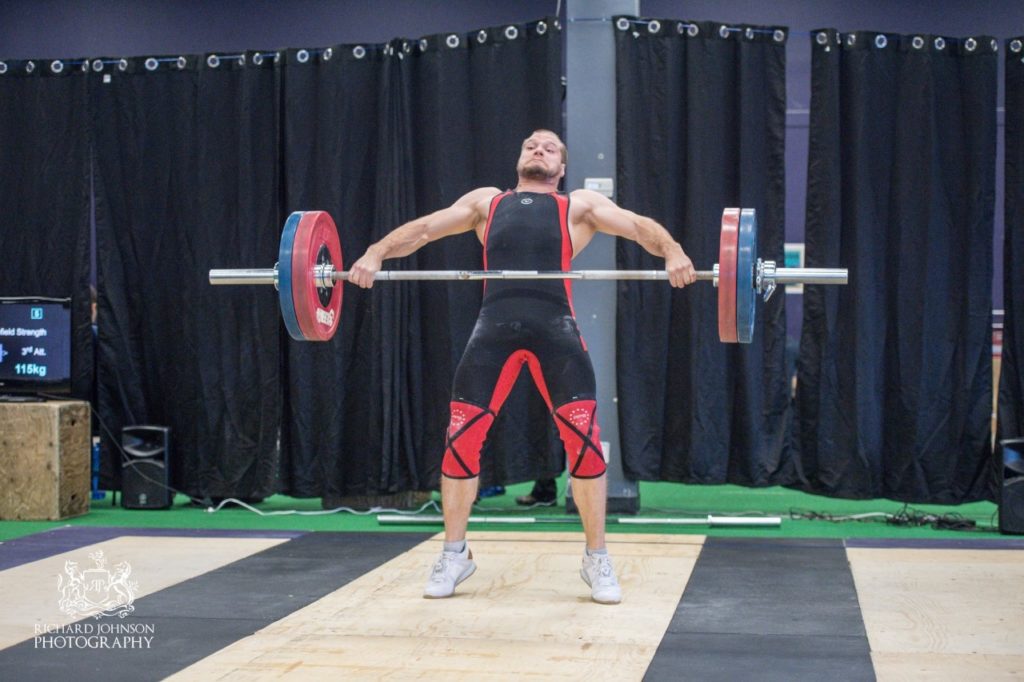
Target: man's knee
pixel 577 425
pixel 467 431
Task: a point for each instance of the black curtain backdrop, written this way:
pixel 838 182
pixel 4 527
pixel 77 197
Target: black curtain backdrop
pixel 333 411
pixel 1011 377
pixel 376 135
pixel 701 122
pixel 895 369
pixel 44 195
pixel 186 180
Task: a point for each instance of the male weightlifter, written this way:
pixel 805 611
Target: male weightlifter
pixel 526 322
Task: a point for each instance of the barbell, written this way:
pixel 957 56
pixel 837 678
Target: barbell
pixel 305 276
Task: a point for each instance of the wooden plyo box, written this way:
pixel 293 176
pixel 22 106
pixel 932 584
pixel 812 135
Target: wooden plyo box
pixel 44 460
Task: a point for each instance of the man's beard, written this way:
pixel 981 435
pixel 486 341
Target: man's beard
pixel 535 171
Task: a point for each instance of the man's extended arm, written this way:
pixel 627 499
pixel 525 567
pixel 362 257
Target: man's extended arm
pixel 603 215
pixel 462 216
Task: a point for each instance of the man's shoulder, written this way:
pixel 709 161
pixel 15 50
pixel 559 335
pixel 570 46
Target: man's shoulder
pixel 586 198
pixel 484 192
pixel 478 199
pixel 587 194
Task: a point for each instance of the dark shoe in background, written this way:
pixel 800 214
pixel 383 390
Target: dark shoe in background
pixel 544 494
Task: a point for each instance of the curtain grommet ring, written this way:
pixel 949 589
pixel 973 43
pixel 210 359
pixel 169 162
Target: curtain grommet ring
pixel 779 35
pixel 970 44
pixel 302 56
pixel 3 68
pixel 151 64
pixel 851 39
pixel 557 24
pixel 182 62
pixel 277 57
pixel 1015 45
pixel 122 65
pixel 542 28
pixel 424 45
pixel 358 51
pixel 327 54
pixel 56 66
pixel 723 31
pixel 917 43
pixel 213 61
pixel 97 65
pixel 693 30
pixel 653 26
pixel 241 60
pixel 749 33
pixel 881 41
pixel 995 45
pixel 821 38
pixel 85 66
pixel 257 59
pixel 622 23
pixel 405 47
pixel 481 36
pixel 511 32
pixel 30 67
pixel 452 41
pixel 940 43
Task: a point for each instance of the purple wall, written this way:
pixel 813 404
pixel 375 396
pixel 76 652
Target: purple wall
pixel 93 28
pixel 88 28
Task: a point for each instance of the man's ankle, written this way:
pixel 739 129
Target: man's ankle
pixel 457 546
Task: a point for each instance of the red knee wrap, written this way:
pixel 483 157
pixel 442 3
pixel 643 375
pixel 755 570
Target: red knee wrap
pixel 467 432
pixel 578 428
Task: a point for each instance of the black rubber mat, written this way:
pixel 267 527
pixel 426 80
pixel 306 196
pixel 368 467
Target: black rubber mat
pixel 200 616
pixel 766 609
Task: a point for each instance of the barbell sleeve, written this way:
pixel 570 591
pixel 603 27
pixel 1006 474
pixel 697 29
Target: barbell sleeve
pixel 811 276
pixel 250 276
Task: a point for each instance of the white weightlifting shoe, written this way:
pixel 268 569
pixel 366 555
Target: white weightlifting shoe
pixel 597 572
pixel 450 569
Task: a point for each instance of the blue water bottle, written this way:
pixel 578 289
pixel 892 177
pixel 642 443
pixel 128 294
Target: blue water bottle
pixel 97 494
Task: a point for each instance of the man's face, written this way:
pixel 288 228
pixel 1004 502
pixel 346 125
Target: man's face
pixel 541 158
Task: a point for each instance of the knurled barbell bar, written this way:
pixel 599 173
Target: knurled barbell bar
pixel 305 276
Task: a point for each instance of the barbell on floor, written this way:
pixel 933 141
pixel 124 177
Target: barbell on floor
pixel 305 276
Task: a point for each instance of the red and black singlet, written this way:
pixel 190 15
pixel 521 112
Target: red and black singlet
pixel 527 322
pixel 528 231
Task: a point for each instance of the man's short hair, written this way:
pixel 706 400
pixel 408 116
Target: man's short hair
pixel 564 149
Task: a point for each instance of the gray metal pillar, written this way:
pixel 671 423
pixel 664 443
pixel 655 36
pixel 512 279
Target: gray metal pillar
pixel 590 137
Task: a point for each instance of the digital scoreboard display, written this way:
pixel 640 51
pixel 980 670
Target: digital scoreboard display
pixel 35 344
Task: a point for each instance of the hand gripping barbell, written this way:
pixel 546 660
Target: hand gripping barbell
pixel 305 275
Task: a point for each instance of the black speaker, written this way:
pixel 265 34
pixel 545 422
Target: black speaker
pixel 145 472
pixel 1011 489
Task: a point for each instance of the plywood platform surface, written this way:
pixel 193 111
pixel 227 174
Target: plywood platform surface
pixel 526 613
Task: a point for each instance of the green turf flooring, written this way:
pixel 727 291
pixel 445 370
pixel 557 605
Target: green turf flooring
pixel 658 500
